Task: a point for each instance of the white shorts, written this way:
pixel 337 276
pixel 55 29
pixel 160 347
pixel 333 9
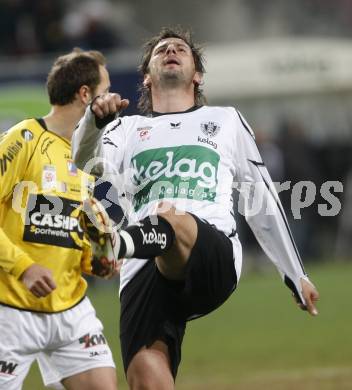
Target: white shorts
pixel 64 344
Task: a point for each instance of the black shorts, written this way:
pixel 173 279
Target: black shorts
pixel 155 308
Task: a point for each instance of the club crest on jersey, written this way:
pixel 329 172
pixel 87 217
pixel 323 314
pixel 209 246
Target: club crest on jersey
pixel 144 132
pixel 27 135
pixel 210 128
pixel 71 168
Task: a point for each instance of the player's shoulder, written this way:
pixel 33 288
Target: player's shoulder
pixel 132 119
pixel 122 126
pixel 227 111
pixel 25 131
pixel 132 122
pixel 234 115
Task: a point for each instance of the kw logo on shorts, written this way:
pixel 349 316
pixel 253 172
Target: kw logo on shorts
pixel 7 367
pixel 53 220
pixel 92 340
pixel 187 172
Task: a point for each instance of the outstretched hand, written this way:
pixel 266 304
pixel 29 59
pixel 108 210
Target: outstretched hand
pixel 38 280
pixel 310 295
pixel 108 104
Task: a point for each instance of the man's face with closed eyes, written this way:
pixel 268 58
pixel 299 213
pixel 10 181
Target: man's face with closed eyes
pixel 171 64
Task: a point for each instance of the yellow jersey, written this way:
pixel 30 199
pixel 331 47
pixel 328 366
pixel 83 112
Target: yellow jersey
pixel 40 191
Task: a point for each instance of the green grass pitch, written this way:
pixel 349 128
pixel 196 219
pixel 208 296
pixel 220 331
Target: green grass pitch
pixel 258 339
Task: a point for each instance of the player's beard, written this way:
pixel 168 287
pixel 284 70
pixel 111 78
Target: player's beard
pixel 172 78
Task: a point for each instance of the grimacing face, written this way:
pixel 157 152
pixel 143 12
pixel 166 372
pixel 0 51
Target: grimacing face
pixel 171 63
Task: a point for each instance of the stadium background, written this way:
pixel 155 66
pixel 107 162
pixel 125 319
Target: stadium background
pixel 287 67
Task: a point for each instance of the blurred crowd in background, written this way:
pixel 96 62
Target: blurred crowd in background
pixel 42 27
pixel 292 156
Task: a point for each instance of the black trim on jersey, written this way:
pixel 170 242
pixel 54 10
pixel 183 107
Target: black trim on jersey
pixel 289 283
pixel 250 132
pixel 107 140
pixel 44 126
pixel 258 164
pixel 194 108
pixel 43 312
pixel 233 233
pixel 114 127
pixel 42 123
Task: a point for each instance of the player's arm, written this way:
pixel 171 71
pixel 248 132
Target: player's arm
pixel 15 152
pixel 266 218
pixel 88 139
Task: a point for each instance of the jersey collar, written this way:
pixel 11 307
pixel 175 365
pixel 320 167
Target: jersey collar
pixel 194 108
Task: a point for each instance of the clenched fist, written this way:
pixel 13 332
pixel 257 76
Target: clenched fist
pixel 38 280
pixel 108 104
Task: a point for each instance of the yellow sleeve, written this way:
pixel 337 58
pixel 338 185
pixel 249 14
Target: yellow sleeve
pixel 12 259
pixel 86 262
pixel 15 152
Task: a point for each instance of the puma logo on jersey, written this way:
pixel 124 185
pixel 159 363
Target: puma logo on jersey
pixel 154 238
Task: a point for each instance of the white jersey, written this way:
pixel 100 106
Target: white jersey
pixel 192 159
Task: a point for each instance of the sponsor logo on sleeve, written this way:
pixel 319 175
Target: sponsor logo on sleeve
pixel 9 155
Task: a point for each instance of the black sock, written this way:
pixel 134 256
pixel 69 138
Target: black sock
pixel 146 240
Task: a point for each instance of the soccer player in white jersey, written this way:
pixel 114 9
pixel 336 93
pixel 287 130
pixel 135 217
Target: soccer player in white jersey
pixel 44 312
pixel 178 164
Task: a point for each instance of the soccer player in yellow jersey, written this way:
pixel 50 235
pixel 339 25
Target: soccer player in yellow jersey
pixel 44 313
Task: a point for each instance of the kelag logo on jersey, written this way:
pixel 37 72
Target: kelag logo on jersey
pixel 188 172
pixel 52 220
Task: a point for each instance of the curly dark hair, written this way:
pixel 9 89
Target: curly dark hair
pixel 70 71
pixel 145 98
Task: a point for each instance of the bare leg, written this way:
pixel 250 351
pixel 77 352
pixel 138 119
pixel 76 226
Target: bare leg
pixel 95 379
pixel 150 369
pixel 172 263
